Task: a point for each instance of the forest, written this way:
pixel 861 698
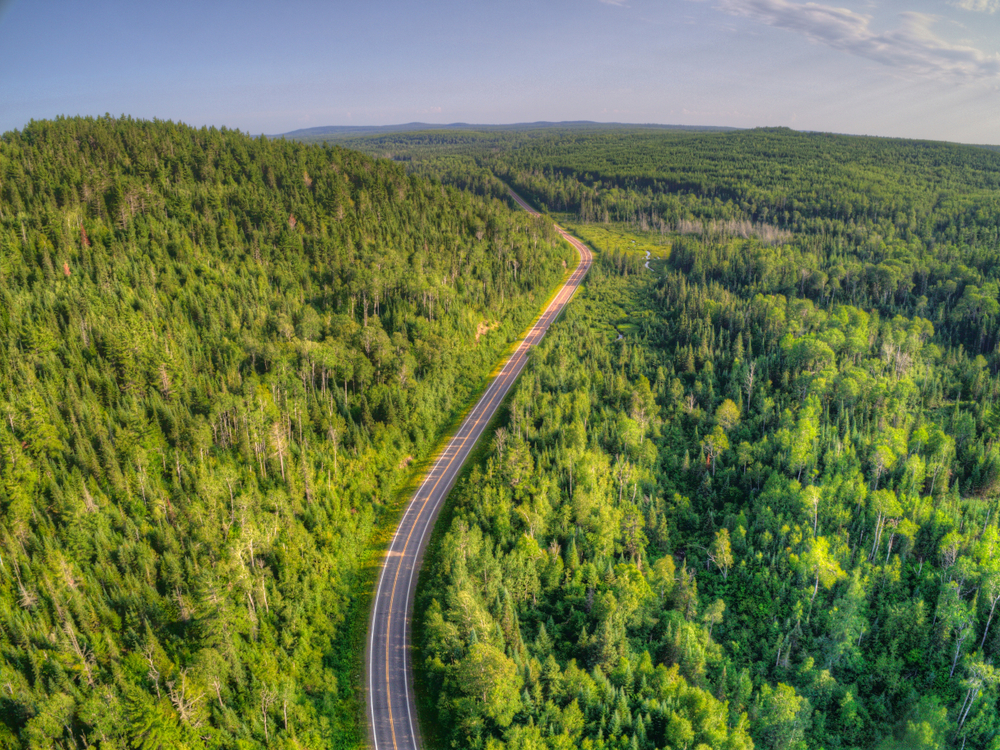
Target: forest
pixel 220 359
pixel 745 494
pixel 745 497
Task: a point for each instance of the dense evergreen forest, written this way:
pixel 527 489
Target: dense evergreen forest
pixel 747 497
pixel 219 357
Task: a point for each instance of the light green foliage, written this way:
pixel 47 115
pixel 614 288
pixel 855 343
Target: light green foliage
pixel 780 718
pixel 715 444
pixel 819 563
pixel 727 416
pixel 721 553
pixel 492 678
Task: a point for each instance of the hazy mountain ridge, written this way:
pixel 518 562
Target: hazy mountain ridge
pixel 330 132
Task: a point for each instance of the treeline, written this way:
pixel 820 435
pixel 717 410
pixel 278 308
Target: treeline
pixel 805 182
pixel 811 182
pixel 219 356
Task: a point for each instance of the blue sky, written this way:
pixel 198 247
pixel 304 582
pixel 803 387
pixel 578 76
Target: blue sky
pixel 919 69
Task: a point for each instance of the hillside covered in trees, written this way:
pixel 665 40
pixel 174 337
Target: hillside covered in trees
pixel 219 357
pixel 747 497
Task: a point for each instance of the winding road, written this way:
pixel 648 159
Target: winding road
pixel 392 708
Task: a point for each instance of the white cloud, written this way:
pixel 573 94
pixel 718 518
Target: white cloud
pixel 913 46
pixel 621 3
pixel 980 6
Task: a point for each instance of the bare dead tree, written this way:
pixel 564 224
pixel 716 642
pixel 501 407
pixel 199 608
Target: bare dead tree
pixel 183 701
pixel 267 699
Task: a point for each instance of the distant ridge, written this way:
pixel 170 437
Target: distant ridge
pixel 351 131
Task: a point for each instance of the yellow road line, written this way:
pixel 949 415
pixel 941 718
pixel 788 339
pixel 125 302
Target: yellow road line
pixel 443 472
pixel 456 446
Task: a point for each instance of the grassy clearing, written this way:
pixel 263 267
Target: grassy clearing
pixel 626 312
pixel 618 238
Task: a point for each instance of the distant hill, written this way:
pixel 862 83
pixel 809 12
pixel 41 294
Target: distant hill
pixel 331 132
pixel 345 132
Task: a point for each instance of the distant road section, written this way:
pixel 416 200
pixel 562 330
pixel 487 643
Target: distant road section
pixel 391 705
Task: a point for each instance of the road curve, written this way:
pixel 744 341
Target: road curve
pixel 392 710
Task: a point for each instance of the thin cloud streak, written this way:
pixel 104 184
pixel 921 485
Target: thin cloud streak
pixel 912 47
pixel 978 6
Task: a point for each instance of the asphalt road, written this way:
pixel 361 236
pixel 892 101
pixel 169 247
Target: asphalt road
pixel 391 704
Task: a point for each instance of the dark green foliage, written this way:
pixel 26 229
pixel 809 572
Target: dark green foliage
pixel 219 355
pixel 780 493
